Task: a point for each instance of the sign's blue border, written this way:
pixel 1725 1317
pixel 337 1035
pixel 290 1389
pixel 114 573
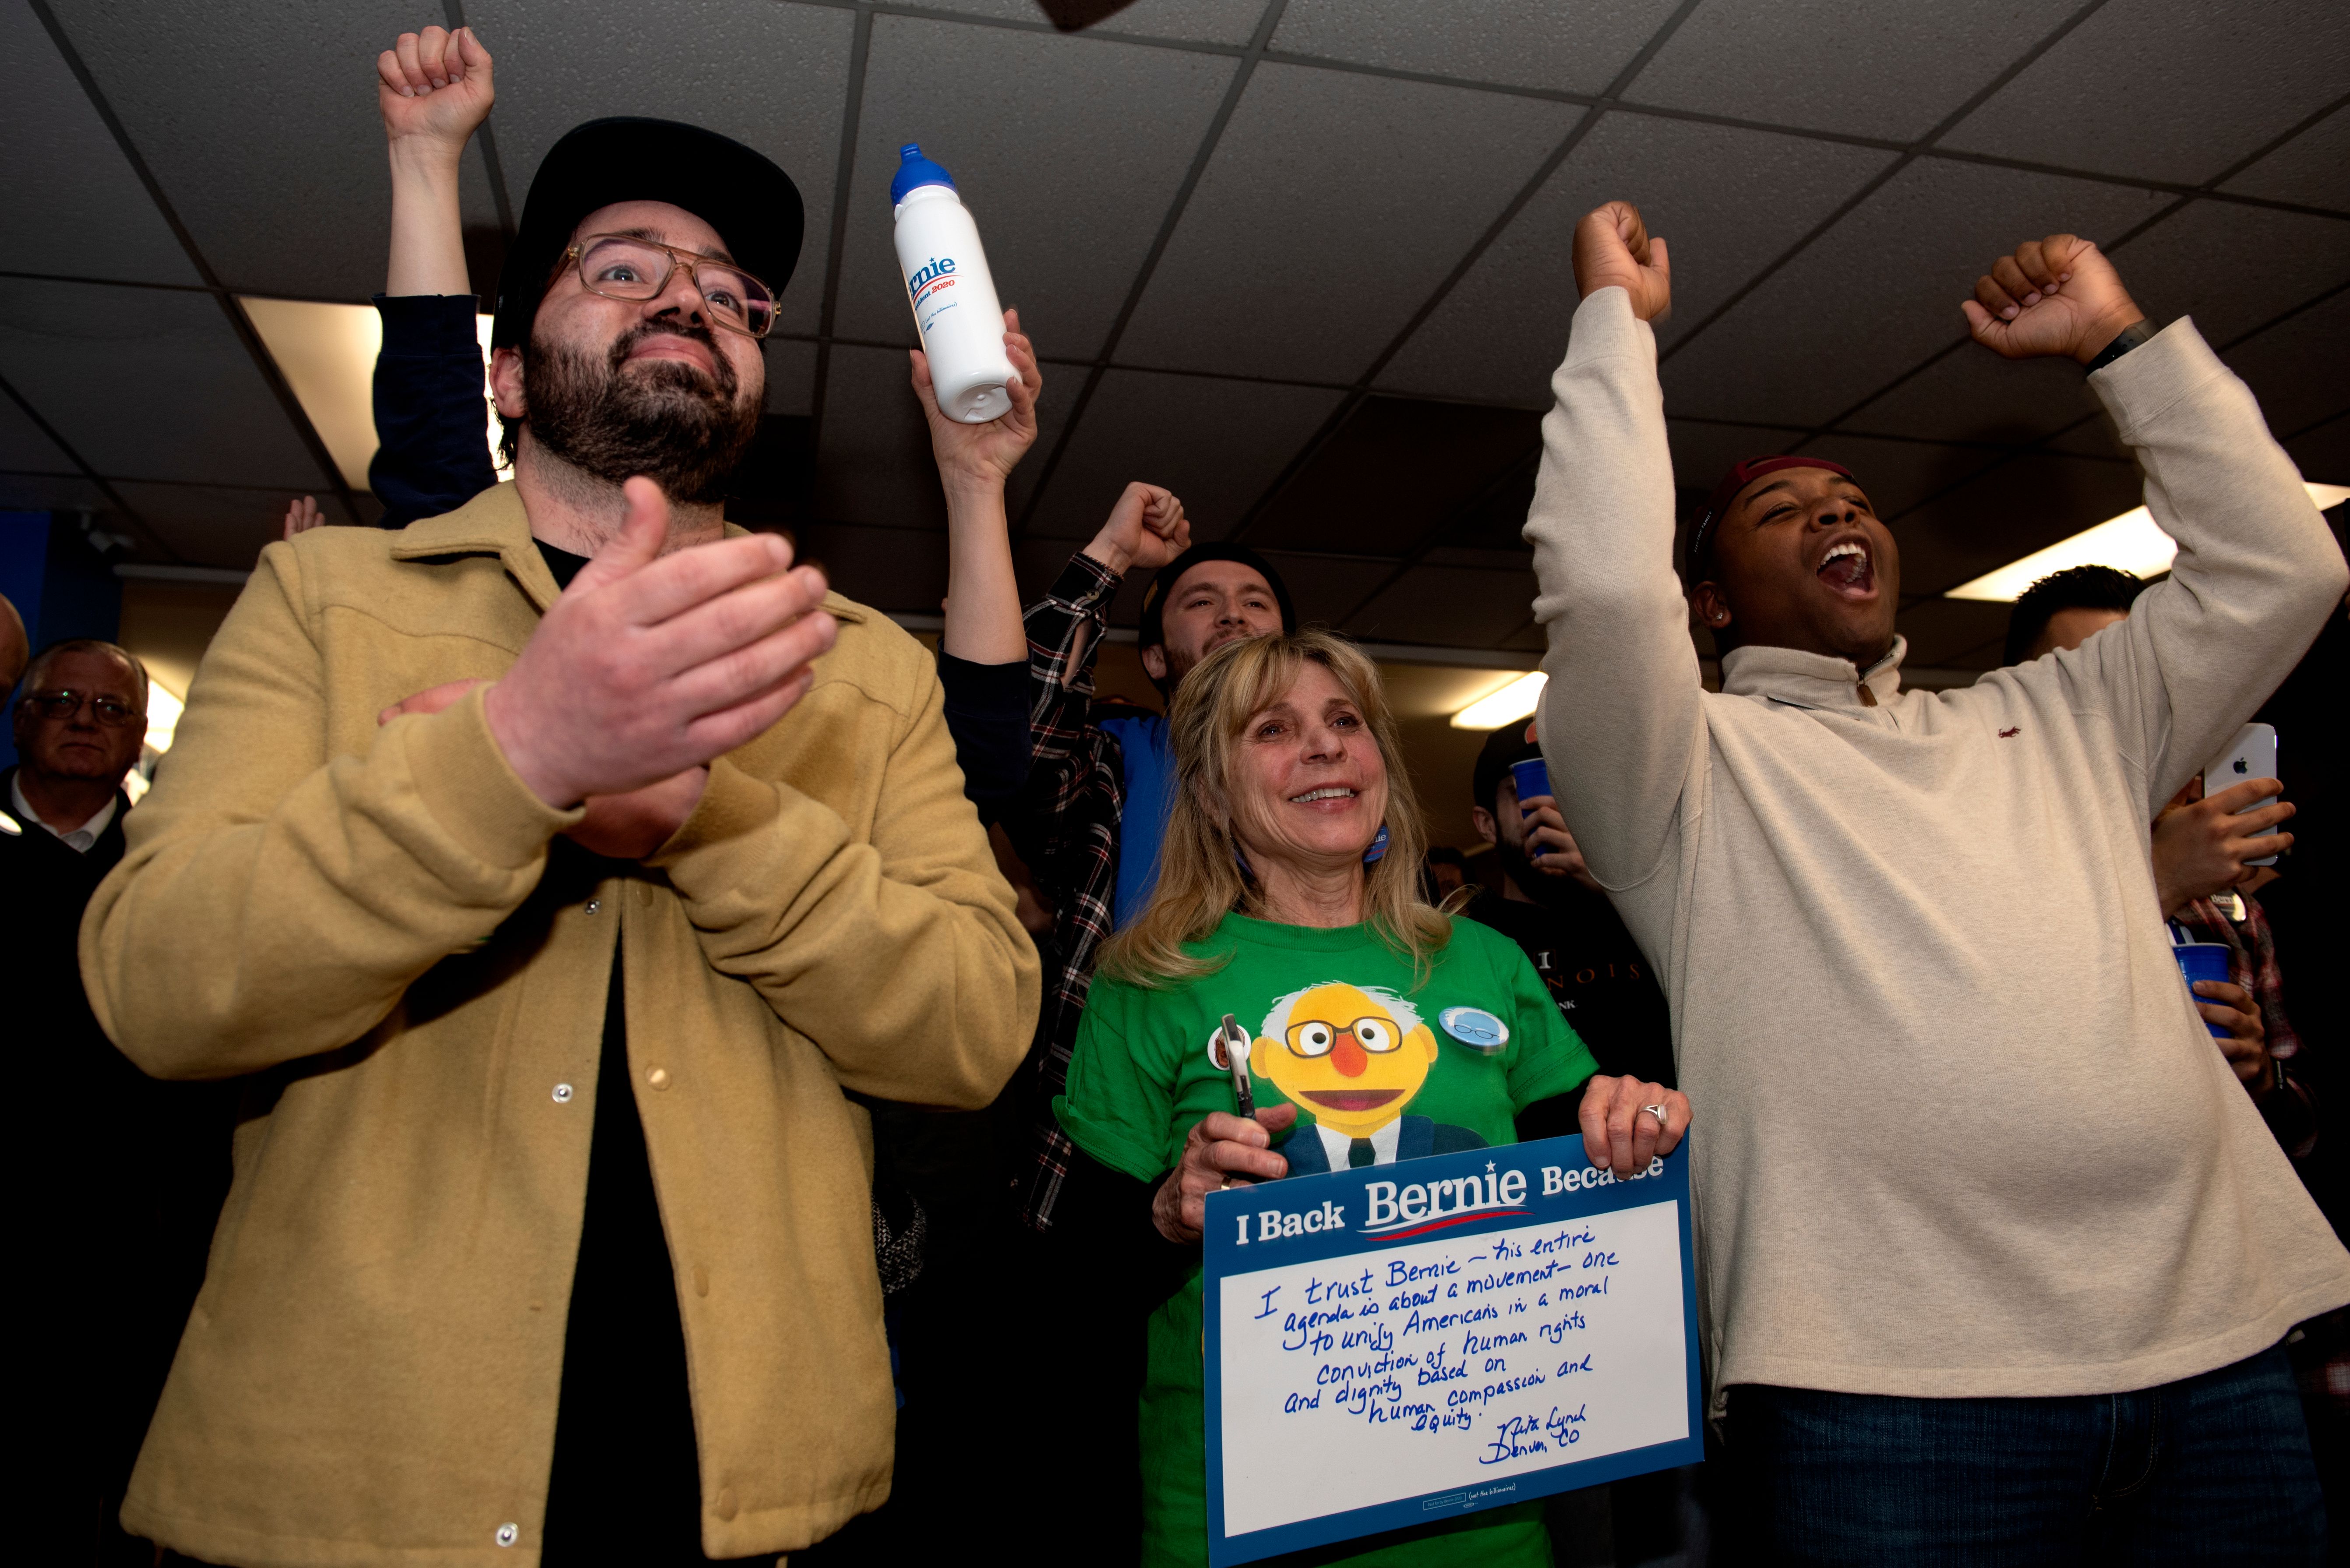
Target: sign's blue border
pixel 1224 1256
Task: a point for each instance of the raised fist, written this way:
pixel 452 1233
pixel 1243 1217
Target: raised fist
pixel 434 87
pixel 2056 296
pixel 1146 530
pixel 1613 250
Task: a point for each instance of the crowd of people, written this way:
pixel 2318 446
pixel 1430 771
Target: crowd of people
pixel 596 1046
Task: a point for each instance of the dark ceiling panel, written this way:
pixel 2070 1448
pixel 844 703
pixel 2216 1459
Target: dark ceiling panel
pixel 873 459
pixel 2168 89
pixel 1216 444
pixel 1727 200
pixel 2008 511
pixel 1898 475
pixel 1577 46
pixel 771 75
pixel 211 525
pixel 904 570
pixel 1869 70
pixel 1954 634
pixel 2312 169
pixel 1335 206
pixel 1970 394
pixel 24 449
pixel 2233 268
pixel 1703 451
pixel 790 375
pixel 1193 21
pixel 2323 451
pixel 73 204
pixel 1449 607
pixel 1327 588
pixel 285 187
pixel 1006 136
pixel 49 492
pixel 2300 369
pixel 1880 291
pixel 147 384
pixel 1397 469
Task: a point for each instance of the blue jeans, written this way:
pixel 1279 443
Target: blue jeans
pixel 2210 1469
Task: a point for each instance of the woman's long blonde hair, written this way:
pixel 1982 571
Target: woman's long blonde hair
pixel 1201 877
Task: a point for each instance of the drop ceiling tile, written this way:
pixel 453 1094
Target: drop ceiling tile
pixel 149 384
pixel 2168 90
pixel 1067 149
pixel 75 206
pixel 24 449
pixel 1395 470
pixel 891 569
pixel 790 375
pixel 1528 639
pixel 2313 168
pixel 1333 207
pixel 1899 475
pixel 1328 590
pixel 1580 46
pixel 2193 263
pixel 1828 65
pixel 1943 633
pixel 1447 606
pixel 873 454
pixel 296 203
pixel 2006 512
pixel 213 526
pixel 1970 394
pixel 2296 368
pixel 1880 291
pixel 1216 444
pixel 1727 202
pixel 1192 21
pixel 773 77
pixel 51 493
pixel 1703 451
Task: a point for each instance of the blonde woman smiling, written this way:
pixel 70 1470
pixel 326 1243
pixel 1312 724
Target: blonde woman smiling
pixel 1382 1030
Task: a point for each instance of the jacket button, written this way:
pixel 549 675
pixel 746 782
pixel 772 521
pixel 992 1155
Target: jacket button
pixel 594 905
pixel 508 1534
pixel 562 1094
pixel 658 1077
pixel 701 1281
pixel 727 1507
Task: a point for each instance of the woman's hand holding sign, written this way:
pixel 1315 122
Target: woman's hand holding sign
pixel 1627 1123
pixel 1219 1147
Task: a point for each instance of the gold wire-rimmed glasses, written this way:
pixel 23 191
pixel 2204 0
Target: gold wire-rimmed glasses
pixel 626 266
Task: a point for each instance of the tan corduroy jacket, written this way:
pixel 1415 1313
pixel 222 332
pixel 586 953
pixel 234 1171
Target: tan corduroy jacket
pixel 367 917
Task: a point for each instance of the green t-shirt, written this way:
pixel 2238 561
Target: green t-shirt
pixel 1380 1071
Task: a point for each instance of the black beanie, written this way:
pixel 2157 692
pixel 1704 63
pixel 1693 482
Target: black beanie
pixel 1504 746
pixel 1154 597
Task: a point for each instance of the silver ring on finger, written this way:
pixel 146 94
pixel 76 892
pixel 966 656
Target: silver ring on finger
pixel 1656 1111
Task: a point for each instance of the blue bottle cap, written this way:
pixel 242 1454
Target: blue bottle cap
pixel 915 171
pixel 1475 1027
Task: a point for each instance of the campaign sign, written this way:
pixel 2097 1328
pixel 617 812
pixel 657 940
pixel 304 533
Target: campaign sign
pixel 1397 1344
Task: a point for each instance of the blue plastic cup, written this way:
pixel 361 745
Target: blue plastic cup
pixel 2203 960
pixel 1534 779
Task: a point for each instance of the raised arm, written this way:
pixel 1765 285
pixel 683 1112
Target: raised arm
pixel 1619 721
pixel 434 90
pixel 2257 571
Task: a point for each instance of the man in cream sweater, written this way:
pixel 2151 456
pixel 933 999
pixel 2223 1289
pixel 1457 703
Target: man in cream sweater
pixel 1995 1252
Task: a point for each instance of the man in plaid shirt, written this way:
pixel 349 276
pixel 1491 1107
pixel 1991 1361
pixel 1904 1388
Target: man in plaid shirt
pixel 1089 823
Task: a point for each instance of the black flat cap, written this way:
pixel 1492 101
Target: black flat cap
pixel 751 203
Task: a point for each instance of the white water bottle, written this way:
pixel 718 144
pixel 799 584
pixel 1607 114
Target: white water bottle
pixel 953 293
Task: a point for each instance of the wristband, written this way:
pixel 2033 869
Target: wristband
pixel 2128 338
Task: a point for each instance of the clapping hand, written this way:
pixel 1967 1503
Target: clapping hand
pixel 302 514
pixel 2051 297
pixel 1613 250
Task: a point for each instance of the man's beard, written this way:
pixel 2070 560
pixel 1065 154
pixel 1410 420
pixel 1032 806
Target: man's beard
pixel 1551 892
pixel 663 419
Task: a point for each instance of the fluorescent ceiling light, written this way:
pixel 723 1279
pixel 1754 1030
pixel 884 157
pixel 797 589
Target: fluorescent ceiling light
pixel 326 353
pixel 2131 542
pixel 163 706
pixel 1514 701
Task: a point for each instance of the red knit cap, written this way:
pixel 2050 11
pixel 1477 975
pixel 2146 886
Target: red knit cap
pixel 1742 474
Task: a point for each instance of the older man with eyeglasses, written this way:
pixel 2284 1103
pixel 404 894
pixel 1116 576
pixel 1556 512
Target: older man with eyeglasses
pixel 560 864
pixel 132 1171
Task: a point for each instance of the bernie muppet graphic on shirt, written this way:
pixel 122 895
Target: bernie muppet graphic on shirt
pixel 1352 1058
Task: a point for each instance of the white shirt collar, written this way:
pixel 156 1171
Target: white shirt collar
pixel 1337 1144
pixel 81 839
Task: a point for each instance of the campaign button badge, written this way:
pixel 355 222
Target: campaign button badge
pixel 1475 1027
